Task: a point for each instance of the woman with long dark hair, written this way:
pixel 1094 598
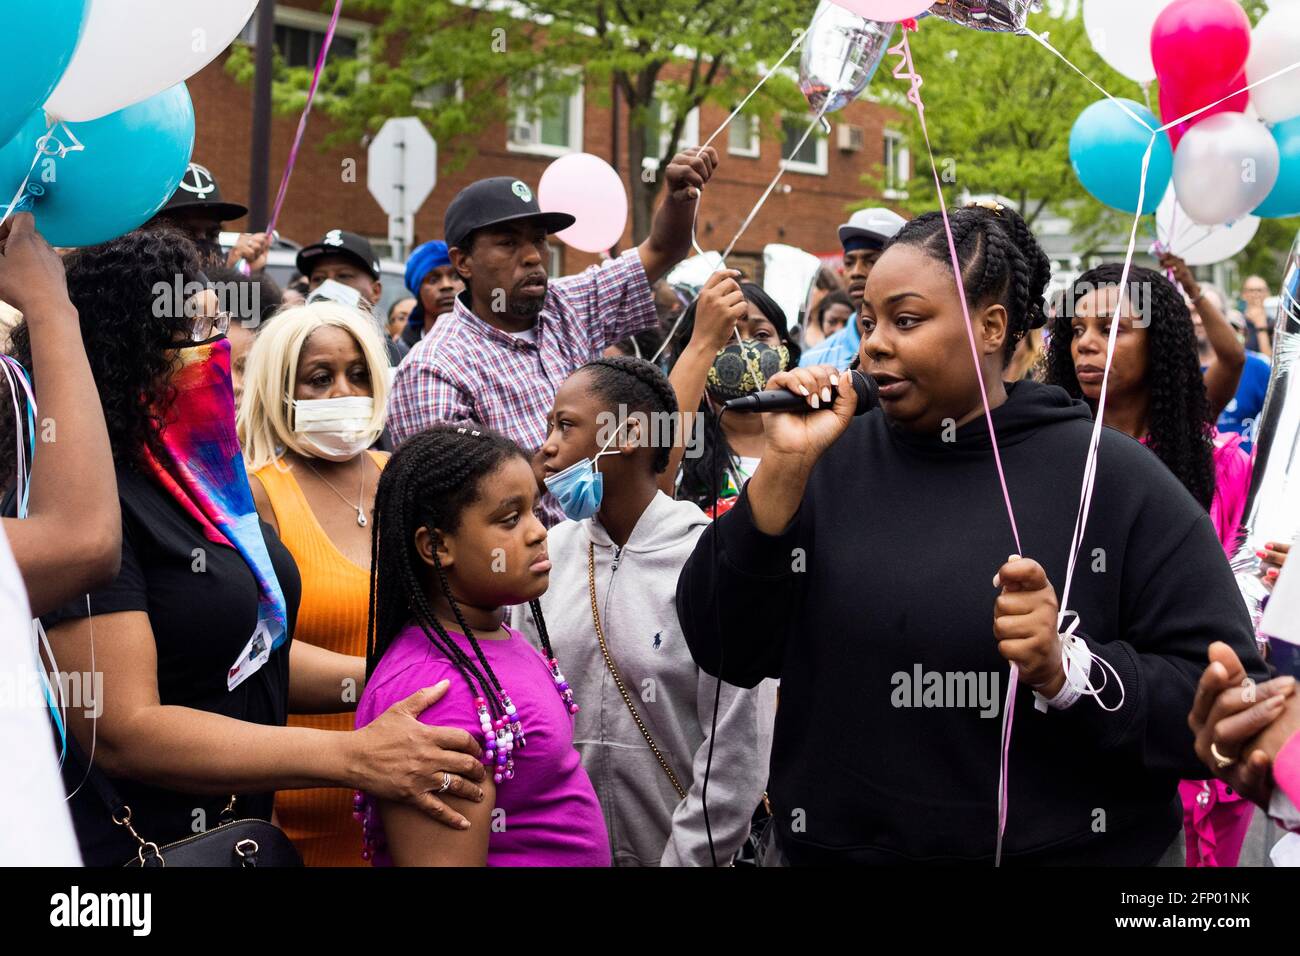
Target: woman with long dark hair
pixel 1157 394
pixel 866 566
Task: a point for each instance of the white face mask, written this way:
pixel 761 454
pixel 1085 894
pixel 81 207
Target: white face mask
pixel 337 429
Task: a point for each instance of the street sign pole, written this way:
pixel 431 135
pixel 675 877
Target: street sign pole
pixel 401 172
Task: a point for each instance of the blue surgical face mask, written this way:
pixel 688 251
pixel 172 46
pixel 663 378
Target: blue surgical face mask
pixel 580 487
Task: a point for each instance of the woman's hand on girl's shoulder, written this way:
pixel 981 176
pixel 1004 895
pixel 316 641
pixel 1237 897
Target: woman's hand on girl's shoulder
pixel 399 759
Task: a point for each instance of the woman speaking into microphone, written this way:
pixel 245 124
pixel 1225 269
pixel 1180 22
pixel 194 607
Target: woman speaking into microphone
pixel 866 565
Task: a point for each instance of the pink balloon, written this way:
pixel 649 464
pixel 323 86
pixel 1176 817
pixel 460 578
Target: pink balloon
pixel 1198 41
pixel 886 11
pixel 1179 100
pixel 587 188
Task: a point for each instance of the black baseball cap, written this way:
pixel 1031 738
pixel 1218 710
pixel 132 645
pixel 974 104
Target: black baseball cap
pixel 491 202
pixel 198 190
pixel 347 245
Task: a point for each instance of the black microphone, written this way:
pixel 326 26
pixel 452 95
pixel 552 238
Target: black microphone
pixel 783 400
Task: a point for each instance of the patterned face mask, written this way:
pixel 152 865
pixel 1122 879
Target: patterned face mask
pixel 744 367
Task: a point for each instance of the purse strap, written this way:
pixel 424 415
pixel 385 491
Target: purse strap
pixel 118 811
pixel 618 679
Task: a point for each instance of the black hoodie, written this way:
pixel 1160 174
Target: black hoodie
pixel 885 575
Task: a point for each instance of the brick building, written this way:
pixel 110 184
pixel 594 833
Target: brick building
pixel 813 198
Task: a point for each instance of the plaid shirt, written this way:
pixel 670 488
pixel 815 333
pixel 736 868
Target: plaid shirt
pixel 466 370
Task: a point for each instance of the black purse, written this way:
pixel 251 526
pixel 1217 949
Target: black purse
pixel 251 842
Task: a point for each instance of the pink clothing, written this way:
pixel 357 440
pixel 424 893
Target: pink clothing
pixel 1232 470
pixel 1215 821
pixel 549 812
pixel 1286 769
pixel 1216 818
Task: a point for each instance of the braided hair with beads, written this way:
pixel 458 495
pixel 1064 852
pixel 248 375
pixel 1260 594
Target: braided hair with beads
pixel 640 386
pixel 1001 261
pixel 429 482
pixel 1180 429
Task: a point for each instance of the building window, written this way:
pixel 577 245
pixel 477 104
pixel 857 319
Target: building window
pixel 299 35
pixel 659 127
pixel 743 136
pixel 898 167
pixel 435 94
pixel 811 157
pixel 550 125
pixel 301 47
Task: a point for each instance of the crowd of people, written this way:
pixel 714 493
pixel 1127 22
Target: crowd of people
pixel 493 577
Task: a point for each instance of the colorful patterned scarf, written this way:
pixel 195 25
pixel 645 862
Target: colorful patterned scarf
pixel 206 476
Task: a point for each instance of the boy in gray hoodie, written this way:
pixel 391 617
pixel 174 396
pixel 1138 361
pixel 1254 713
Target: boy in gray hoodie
pixel 625 545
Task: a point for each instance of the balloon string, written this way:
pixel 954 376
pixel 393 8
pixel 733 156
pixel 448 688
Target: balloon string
pixel 734 113
pixel 306 111
pixel 905 70
pixel 1248 86
pixel 1090 462
pixel 22 187
pixel 1118 102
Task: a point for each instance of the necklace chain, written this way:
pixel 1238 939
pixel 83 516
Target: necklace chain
pixel 361 495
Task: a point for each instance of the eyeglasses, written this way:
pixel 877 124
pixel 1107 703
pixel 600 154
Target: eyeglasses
pixel 205 327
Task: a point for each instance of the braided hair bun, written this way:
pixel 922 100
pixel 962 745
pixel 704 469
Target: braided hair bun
pixel 1001 261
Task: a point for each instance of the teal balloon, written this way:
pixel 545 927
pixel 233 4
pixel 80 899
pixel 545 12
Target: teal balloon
pixel 97 180
pixel 1106 149
pixel 41 36
pixel 1284 198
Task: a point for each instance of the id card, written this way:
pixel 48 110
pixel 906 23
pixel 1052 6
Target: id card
pixel 250 660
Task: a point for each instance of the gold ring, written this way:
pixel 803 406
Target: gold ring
pixel 1220 759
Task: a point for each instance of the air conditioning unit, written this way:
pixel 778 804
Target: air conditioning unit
pixel 521 134
pixel 849 138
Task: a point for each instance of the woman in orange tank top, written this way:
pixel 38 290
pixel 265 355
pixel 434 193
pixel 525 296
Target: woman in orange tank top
pixel 315 389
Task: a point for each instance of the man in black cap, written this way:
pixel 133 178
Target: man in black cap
pixel 514 334
pixel 350 260
pixel 197 209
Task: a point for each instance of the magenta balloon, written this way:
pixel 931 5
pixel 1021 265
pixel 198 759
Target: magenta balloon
pixel 1200 41
pixel 587 188
pixel 887 11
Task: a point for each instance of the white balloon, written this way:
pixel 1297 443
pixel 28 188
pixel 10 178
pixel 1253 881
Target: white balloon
pixel 129 51
pixel 1224 167
pixel 1120 32
pixel 1199 245
pixel 1273 45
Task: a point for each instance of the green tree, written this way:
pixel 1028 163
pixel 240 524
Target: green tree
pixel 999 109
pixel 678 53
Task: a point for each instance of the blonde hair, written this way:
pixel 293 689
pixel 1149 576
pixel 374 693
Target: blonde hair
pixel 264 423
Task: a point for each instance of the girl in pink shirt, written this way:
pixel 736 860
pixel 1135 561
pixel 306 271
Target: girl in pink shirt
pixel 455 543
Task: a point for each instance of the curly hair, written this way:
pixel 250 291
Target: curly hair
pixel 1001 261
pixel 1181 432
pixel 124 293
pixel 640 386
pixel 429 482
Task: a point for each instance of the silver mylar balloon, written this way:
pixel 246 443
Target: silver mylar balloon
pixel 1224 167
pixel 840 55
pixel 995 16
pixel 1272 510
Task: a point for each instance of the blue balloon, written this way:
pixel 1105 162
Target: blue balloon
pixel 1106 149
pixel 91 182
pixel 41 37
pixel 1284 198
